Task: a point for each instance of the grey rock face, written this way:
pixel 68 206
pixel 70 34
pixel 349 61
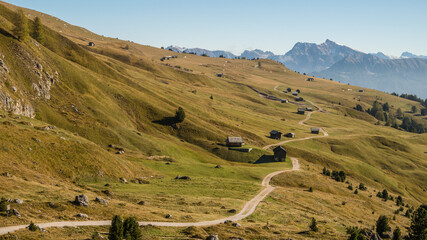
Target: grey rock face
pixel 81 200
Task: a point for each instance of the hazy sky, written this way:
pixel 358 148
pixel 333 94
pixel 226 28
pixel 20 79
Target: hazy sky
pixel 235 25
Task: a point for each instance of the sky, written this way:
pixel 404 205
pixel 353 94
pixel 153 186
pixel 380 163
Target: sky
pixel 389 26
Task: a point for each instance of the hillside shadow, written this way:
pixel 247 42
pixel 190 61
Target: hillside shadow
pixel 166 121
pixel 265 159
pixel 6 33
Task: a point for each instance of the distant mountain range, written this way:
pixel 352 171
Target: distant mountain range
pixel 404 74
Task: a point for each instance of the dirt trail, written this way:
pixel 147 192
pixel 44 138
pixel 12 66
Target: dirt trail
pixel 246 211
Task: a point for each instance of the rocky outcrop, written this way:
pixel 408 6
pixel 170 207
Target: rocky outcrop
pixel 18 107
pixel 213 237
pixel 81 200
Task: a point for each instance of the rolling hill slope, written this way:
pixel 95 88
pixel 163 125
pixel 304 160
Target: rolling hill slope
pixel 125 97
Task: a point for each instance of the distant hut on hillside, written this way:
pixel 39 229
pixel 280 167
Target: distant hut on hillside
pixel 91 44
pixel 234 141
pixel 280 154
pixel 361 90
pixel 301 111
pixel 295 93
pixel 310 79
pixel 299 99
pixel 219 74
pixel 275 135
pixel 285 91
pixel 315 130
pixel 284 100
pixel 290 135
pixel 309 109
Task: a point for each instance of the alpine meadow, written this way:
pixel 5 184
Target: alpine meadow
pixel 103 138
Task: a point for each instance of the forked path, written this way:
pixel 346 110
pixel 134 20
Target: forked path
pixel 246 211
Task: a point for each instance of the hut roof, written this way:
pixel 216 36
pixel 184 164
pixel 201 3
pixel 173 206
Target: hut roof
pixel 301 109
pixel 279 148
pixel 235 139
pixel 315 129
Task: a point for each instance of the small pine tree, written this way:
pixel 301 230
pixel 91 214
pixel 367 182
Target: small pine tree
pixel 116 229
pixel 397 235
pixel 180 115
pixel 414 109
pixel 310 189
pixel 131 230
pixel 313 225
pixel 382 225
pixel 418 228
pixel 356 191
pixel 38 31
pixel 384 195
pixel 211 97
pixel 21 26
pixel 399 201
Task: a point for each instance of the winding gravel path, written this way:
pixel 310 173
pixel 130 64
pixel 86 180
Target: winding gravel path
pixel 246 211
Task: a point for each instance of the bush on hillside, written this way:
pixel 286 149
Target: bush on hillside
pixel 180 115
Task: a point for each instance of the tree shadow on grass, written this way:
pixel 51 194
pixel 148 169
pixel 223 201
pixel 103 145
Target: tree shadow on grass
pixel 6 33
pixel 166 121
pixel 265 159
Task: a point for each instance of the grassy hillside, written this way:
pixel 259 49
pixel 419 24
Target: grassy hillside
pixel 110 94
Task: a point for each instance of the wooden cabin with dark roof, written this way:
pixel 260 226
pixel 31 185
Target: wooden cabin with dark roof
pixel 280 154
pixel 315 130
pixel 275 135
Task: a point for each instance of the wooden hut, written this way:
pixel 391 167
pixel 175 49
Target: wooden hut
pixel 279 154
pixel 301 111
pixel 234 141
pixel 275 135
pixel 315 130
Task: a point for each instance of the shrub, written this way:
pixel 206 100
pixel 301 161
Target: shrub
pixel 180 115
pixel 399 201
pixel 362 187
pixel 356 191
pixel 310 189
pixel 32 227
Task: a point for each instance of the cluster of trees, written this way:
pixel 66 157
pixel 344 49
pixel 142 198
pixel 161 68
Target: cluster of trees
pixel 384 113
pixel 412 97
pixel 128 229
pixel 338 176
pixel 416 231
pixel 384 195
pixel 23 30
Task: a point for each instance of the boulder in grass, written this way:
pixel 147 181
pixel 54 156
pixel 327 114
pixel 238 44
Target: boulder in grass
pixel 81 200
pixel 213 237
pixel 82 215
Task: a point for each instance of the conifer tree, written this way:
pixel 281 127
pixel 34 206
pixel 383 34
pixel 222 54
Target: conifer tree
pixel 131 230
pixel 21 26
pixel 397 235
pixel 38 31
pixel 313 225
pixel 418 228
pixel 382 225
pixel 116 229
